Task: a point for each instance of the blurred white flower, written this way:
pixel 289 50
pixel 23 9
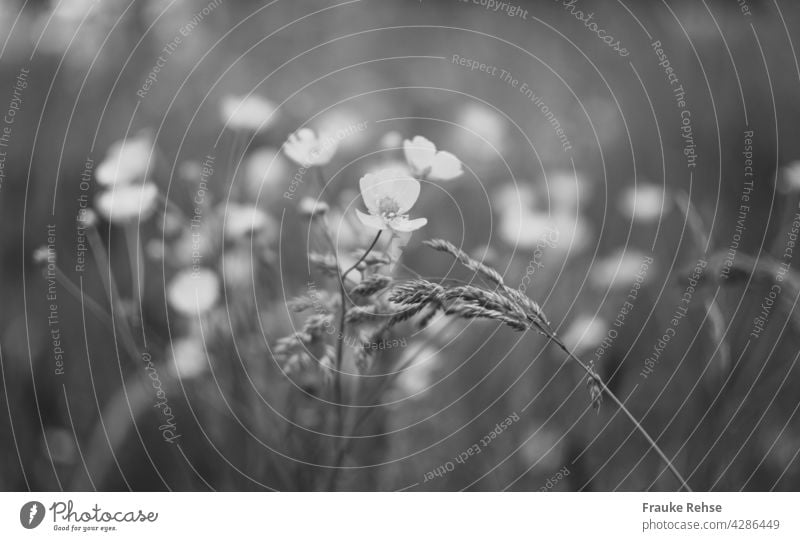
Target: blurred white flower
pixel 126 161
pixel 791 177
pixel 129 203
pixel 248 113
pixel 584 333
pixel 265 168
pixel 307 149
pixel 193 291
pixel 87 217
pixel 428 163
pixel 643 202
pixel 617 270
pixel 189 358
pixel 484 129
pixel 242 220
pixel 565 190
pixel 514 196
pixel 391 140
pixel 524 228
pixel 388 195
pixel 311 208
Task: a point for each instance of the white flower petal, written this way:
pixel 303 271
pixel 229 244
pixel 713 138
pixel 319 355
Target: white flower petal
pixel 445 166
pixel 405 226
pixel 405 190
pixel 370 220
pixel 394 184
pixel 371 191
pixel 419 153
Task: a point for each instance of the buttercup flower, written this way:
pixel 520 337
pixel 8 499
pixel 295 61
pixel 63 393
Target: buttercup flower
pixel 307 149
pixel 250 113
pixel 389 194
pixel 125 204
pixel 193 292
pixel 426 162
pixel 125 162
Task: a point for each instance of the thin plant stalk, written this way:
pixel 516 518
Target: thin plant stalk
pixel 107 279
pixel 337 381
pixel 590 372
pixel 136 262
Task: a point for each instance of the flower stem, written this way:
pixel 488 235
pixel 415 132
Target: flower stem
pixel 136 264
pixel 337 381
pixel 596 378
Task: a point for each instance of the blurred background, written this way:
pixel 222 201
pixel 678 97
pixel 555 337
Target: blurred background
pixel 153 237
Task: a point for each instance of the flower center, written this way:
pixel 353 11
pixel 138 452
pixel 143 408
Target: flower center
pixel 388 208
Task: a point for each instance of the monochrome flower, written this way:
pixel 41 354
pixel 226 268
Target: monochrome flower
pixel 189 358
pixel 124 204
pixel 565 190
pixel 428 163
pixel 192 292
pixel 584 333
pixel 388 195
pixel 791 177
pixel 482 133
pixel 307 149
pixel 126 161
pixel 242 220
pixel 618 270
pixel 248 113
pixel 643 202
pixel 391 140
pixel 311 208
